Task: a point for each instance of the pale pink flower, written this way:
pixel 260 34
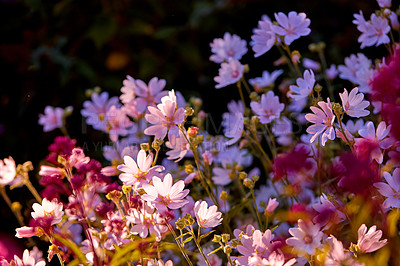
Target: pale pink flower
pixel 148 95
pixel 271 206
pixel 369 241
pixel 163 194
pixel 29 259
pixel 354 104
pixel 78 158
pixel 255 246
pixel 328 214
pixel 46 170
pixel 385 3
pixel 207 217
pixel 337 255
pixel 268 109
pixel 8 171
pixel 118 123
pixel 306 237
pixel 323 122
pixel 278 259
pixel 391 189
pixel 354 127
pixel 26 231
pixel 233 122
pixel 332 72
pixel 304 86
pixel 291 27
pixel 145 220
pixel 179 148
pixel 264 37
pixel 229 73
pixel 229 46
pixel 353 65
pixel 374 32
pixel 52 118
pixel 154 262
pixel 266 80
pixel 128 90
pixel 165 118
pixel 138 173
pixel 48 209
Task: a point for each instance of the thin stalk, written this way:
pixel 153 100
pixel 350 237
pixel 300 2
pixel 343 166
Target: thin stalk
pixel 155 157
pixel 197 241
pixel 17 214
pixel 179 244
pixel 257 212
pixel 239 85
pixel 246 85
pixel 271 136
pixel 32 189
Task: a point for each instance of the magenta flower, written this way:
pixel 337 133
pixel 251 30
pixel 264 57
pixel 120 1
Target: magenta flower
pixel 354 104
pixel 304 86
pixel 369 241
pixel 229 73
pixel 268 109
pixel 207 217
pixel 138 173
pixel 52 118
pixel 8 171
pixel 49 210
pixel 264 37
pixel 163 195
pixel 323 122
pixel 291 27
pixel 328 214
pixel 391 189
pixel 231 46
pixel 266 80
pixel 165 118
pixel 306 238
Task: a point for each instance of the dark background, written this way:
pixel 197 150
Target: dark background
pixel 51 52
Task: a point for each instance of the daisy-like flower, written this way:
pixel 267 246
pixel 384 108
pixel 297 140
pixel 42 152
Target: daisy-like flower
pixel 118 123
pixel 304 86
pixel 52 118
pixel 328 214
pixel 323 122
pixel 29 258
pixel 163 194
pixel 229 73
pixel 391 189
pixel 229 46
pixel 233 122
pixel 7 171
pixel 264 37
pixel 369 241
pixel 165 118
pixel 337 255
pixel 306 237
pixel 179 148
pixel 148 95
pixel 138 173
pixel 374 32
pixel 266 80
pixel 268 109
pixel 354 104
pixel 49 210
pixel 354 64
pixel 291 27
pixel 207 216
pixel 154 262
pixel 278 259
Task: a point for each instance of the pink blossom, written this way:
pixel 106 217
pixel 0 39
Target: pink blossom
pixel 354 65
pixel 337 255
pixel 148 95
pixel 267 79
pixel 77 158
pixel 207 217
pixel 323 122
pixel 291 27
pixel 26 231
pixel 52 118
pixel 354 104
pixel 46 170
pixel 138 173
pixel 268 109
pixel 231 46
pixel 283 129
pixel 369 241
pixel 49 210
pixel 163 194
pixel 229 73
pixel 306 238
pixel 374 32
pixel 304 86
pixel 179 148
pixel 264 37
pixel 332 72
pixel 165 118
pixel 311 64
pixel 118 123
pixel 128 90
pixel 271 206
pixel 278 259
pixel 391 189
pixel 154 262
pixel 29 260
pixel 8 171
pixel 233 122
pixel 328 214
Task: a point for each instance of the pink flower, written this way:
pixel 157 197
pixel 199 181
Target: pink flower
pixel 8 171
pixel 374 32
pixel 229 73
pixel 154 262
pixel 278 259
pixel 337 255
pixel 332 72
pixel 49 210
pixel 179 147
pixel 306 237
pixel 163 194
pixel 128 90
pixel 268 109
pixel 148 95
pixel 52 118
pixel 138 173
pixel 304 86
pixel 271 206
pixel 391 189
pixel 354 104
pixel 266 80
pixel 323 122
pixel 328 215
pixel 233 122
pixel 46 170
pixel 207 217
pixel 291 27
pixel 29 259
pixel 369 241
pixel 26 231
pixel 264 37
pixel 231 46
pixel 165 118
pixel 118 123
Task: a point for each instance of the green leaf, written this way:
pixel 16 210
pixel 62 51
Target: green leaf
pixel 214 251
pixel 188 239
pixel 204 236
pixel 72 246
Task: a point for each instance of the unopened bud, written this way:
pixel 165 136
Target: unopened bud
pixel 337 109
pixel 242 175
pixel 189 111
pixel 317 88
pixel 27 166
pixel 180 224
pixel 199 139
pixel 255 178
pixel 296 57
pixel 247 182
pixel 192 131
pixel 16 206
pixel 254 96
pixel 223 196
pixel 197 102
pixel 157 144
pixel 228 250
pixel 145 146
pixel 246 68
pixel 114 195
pixel 225 238
pixel 217 238
pixel 189 168
pixel 126 189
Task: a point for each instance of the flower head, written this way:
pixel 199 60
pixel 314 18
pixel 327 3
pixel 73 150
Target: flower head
pixel 148 94
pixel 32 258
pixel 268 109
pixel 233 122
pixel 207 217
pixel 391 189
pixel 49 210
pixel 304 86
pixel 306 238
pixel 229 73
pixel 354 104
pixel 264 37
pixel 231 46
pixel 7 171
pixel 52 118
pixel 369 241
pixel 291 27
pixel 266 80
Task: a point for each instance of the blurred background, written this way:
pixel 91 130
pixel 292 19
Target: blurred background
pixel 51 52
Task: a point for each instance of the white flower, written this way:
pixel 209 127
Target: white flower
pixel 207 217
pixel 7 171
pixel 369 241
pixel 48 209
pixel 306 237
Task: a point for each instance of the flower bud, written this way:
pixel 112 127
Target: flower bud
pixel 126 189
pixel 247 182
pixel 189 111
pixel 227 250
pixel 217 238
pixel 145 146
pixel 16 206
pixel 157 144
pixel 223 196
pixel 180 224
pixel 317 88
pixel 296 57
pixel 225 238
pixel 192 131
pixel 189 168
pixel 242 175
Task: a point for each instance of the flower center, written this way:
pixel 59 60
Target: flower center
pixel 235 74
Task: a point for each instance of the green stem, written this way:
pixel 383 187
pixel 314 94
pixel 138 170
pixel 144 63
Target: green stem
pixel 179 244
pixel 241 93
pixel 32 189
pixel 197 241
pixel 257 212
pixel 246 85
pixel 17 214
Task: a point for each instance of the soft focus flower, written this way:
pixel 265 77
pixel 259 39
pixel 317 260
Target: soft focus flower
pixel 337 256
pixel 231 46
pixel 354 104
pixel 118 123
pixel 323 122
pixel 328 214
pixel 49 210
pixel 264 37
pixel 278 259
pixel 385 3
pixel 266 80
pixel 354 67
pixel 306 238
pixel 213 259
pixel 163 194
pixel 229 73
pixel 268 109
pixel 391 189
pixel 304 86
pixel 283 129
pixel 52 118
pixel 179 147
pixel 332 72
pixel 29 259
pixel 369 241
pixel 374 32
pixel 207 216
pixel 271 206
pixel 291 27
pixel 311 64
pixel 26 231
pixel 7 171
pixel 233 121
pixel 154 262
pixel 148 95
